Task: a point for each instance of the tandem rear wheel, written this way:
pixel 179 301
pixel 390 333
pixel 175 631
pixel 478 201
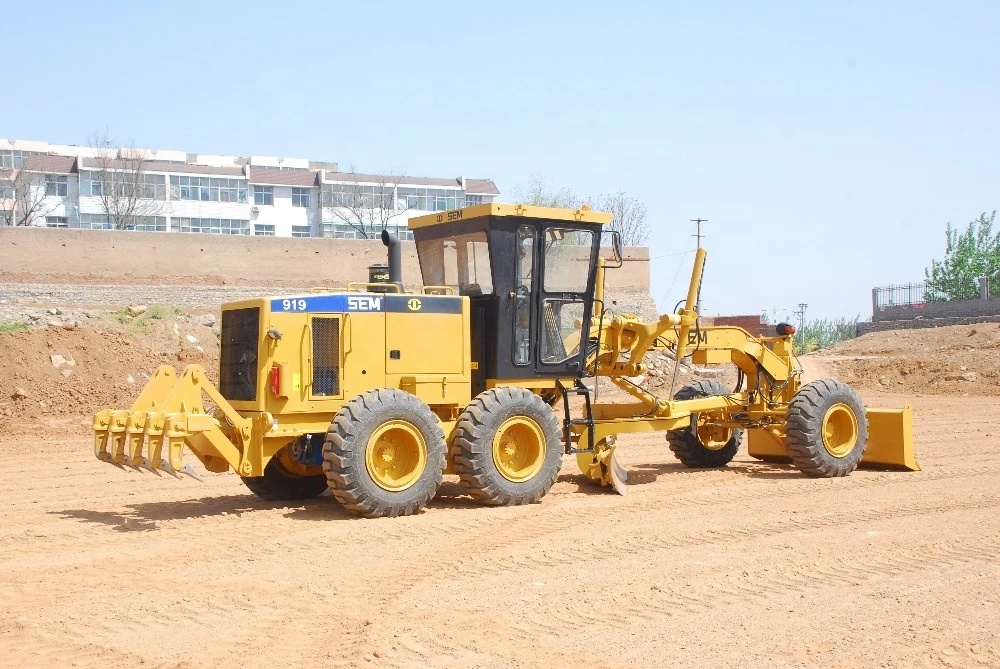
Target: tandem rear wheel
pixel 384 454
pixel 506 447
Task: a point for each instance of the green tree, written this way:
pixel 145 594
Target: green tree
pixel 967 256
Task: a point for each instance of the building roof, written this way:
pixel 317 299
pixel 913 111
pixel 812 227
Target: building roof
pixel 66 159
pixel 389 179
pixel 50 164
pixel 156 166
pixel 284 177
pixel 481 187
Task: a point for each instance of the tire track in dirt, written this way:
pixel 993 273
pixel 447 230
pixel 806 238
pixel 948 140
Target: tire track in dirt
pixel 574 617
pixel 32 649
pixel 612 615
pixel 859 569
pixel 74 545
pixel 457 526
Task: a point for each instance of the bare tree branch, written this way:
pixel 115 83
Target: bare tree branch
pixel 629 216
pixel 629 212
pixel 22 197
pixel 119 181
pixel 540 193
pixel 366 203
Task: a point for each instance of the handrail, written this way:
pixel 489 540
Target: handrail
pixel 437 290
pixel 383 287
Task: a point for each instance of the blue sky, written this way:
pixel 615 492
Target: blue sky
pixel 827 143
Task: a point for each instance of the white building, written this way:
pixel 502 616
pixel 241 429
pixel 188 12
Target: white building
pixel 67 186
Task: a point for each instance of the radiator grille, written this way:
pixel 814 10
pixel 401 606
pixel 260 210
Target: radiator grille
pixel 238 357
pixel 326 356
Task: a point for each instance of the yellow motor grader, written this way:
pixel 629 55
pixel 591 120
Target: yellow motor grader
pixel 376 393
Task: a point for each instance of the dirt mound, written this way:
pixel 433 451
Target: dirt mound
pixel 959 359
pixel 61 376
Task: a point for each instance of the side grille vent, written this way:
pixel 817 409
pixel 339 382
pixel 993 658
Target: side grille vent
pixel 238 357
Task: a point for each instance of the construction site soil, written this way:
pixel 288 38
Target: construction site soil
pixel 747 565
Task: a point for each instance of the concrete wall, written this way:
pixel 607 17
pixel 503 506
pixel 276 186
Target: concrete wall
pixel 52 256
pixel 931 310
pixel 878 326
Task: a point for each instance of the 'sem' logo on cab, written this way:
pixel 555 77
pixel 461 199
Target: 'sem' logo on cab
pixel 413 304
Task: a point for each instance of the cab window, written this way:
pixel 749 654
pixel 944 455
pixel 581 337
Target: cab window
pixel 459 261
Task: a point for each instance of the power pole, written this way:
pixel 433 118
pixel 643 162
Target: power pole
pixel 800 313
pixel 698 236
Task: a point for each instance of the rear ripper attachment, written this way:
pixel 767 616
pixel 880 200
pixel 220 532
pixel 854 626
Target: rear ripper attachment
pixel 170 414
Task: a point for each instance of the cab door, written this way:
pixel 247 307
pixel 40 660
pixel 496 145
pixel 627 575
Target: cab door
pixel 564 300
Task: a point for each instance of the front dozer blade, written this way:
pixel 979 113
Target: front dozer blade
pixel 602 465
pixel 613 474
pixel 890 439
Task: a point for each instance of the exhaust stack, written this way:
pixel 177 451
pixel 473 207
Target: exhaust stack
pixel 395 258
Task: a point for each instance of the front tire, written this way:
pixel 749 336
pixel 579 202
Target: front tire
pixel 507 447
pixel 703 445
pixel 826 429
pixel 384 454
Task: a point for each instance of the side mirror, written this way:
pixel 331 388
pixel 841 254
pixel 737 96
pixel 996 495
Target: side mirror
pixel 617 257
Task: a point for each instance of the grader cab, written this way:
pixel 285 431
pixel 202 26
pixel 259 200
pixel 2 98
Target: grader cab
pixel 376 394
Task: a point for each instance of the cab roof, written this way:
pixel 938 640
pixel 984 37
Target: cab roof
pixel 581 215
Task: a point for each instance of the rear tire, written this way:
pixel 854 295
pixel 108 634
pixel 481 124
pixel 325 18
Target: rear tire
pixel 720 445
pixel 278 484
pixel 384 454
pixel 507 448
pixel 826 428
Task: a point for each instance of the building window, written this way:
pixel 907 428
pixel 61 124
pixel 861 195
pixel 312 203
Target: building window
pixel 300 197
pixel 6 192
pixel 93 222
pixel 208 189
pixel 214 226
pixel 129 186
pixel 263 230
pixel 301 231
pixel 140 223
pixel 56 222
pixel 429 199
pixel 14 159
pixel 473 200
pixel 347 231
pixel 263 195
pixel 55 185
pixel 359 196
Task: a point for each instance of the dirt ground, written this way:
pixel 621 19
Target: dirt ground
pixel 750 565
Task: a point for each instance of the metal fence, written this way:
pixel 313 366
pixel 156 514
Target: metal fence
pixel 901 295
pixel 918 294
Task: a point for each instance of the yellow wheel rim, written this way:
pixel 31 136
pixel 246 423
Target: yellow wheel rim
pixel 519 449
pixel 840 430
pixel 396 455
pixel 712 437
